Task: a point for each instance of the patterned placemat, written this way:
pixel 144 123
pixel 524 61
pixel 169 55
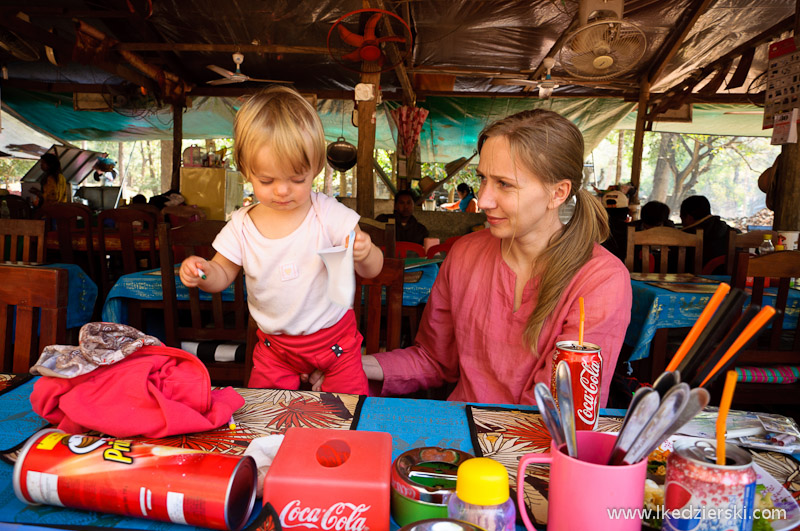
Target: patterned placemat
pixel 507 434
pixel 272 411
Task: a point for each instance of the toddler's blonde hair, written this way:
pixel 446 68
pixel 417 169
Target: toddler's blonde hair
pixel 286 123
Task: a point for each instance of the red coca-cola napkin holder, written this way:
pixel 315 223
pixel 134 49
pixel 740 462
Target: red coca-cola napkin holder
pixel 331 479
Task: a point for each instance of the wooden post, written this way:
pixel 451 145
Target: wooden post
pixel 365 193
pixel 638 138
pixel 120 154
pixel 166 164
pixel 786 189
pixel 327 186
pixel 620 143
pixel 177 138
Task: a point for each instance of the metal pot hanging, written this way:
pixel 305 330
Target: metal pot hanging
pixel 342 155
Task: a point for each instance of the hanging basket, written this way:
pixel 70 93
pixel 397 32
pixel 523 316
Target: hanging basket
pixel 342 155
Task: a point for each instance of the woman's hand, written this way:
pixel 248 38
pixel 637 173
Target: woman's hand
pixel 193 271
pixel 369 363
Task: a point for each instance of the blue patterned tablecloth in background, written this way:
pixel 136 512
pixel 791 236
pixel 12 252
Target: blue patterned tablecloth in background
pixel 655 308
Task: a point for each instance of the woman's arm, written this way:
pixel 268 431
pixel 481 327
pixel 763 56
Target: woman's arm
pixel 472 206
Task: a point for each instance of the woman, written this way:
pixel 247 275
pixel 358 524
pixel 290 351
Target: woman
pixel 54 187
pixel 468 203
pixel 505 296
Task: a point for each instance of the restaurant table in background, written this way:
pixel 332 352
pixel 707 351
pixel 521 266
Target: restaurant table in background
pixel 146 285
pixel 500 432
pixel 678 305
pixel 112 241
pixel 82 293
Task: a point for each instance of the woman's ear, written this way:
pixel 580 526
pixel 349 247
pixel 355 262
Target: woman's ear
pixel 559 193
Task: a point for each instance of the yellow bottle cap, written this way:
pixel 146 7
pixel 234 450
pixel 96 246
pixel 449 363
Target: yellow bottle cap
pixel 768 236
pixel 482 481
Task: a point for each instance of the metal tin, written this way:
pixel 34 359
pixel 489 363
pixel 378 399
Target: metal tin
pixel 441 524
pixel 422 481
pixel 133 479
pixel 699 494
pixel 586 368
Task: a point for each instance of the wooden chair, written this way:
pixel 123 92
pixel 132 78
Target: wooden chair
pixel 150 209
pixel 382 234
pixel 129 225
pixel 670 241
pixel 71 220
pixel 18 207
pixel 777 345
pixel 403 248
pixel 369 307
pixel 34 299
pixel 746 241
pixel 442 248
pixel 27 232
pixel 202 320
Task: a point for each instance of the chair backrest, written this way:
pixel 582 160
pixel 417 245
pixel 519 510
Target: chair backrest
pixel 216 319
pixel 442 248
pixel 18 207
pixel 72 223
pixel 781 266
pixel 370 306
pixel 382 234
pixel 403 248
pixel 146 207
pixel 746 241
pixel 26 240
pixel 135 231
pixel 35 300
pixel 671 242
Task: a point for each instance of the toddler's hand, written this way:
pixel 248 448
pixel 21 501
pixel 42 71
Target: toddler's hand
pixel 362 246
pixel 193 271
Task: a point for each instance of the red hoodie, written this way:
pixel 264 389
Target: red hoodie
pixel 155 392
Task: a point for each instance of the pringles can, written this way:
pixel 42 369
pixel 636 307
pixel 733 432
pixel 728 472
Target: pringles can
pixel 586 368
pixel 699 494
pixel 140 480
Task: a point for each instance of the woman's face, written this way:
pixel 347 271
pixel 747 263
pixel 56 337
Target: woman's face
pixel 462 194
pixel 516 202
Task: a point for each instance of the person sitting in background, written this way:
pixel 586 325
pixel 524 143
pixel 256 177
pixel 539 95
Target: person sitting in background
pixel 407 228
pixel 467 201
pixel 138 199
pixel 616 204
pixel 654 214
pixel 54 187
pixel 696 214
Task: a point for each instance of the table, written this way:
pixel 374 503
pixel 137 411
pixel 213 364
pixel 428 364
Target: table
pixel 146 285
pixel 655 307
pixel 112 241
pixel 412 424
pixel 82 293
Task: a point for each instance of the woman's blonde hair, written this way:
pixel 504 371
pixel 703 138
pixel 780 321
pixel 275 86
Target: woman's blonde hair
pixel 284 121
pixel 551 147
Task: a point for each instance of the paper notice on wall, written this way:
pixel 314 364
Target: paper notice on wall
pixel 784 128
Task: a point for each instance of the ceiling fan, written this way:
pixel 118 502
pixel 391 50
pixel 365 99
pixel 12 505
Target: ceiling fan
pixel 237 76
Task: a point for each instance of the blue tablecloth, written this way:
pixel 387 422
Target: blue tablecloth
pixel 82 295
pixel 412 424
pixel 146 285
pixel 655 308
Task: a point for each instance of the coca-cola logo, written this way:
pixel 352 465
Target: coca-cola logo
pixel 340 516
pixel 590 381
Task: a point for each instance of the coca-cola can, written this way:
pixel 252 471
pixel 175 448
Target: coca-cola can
pixel 586 368
pixel 133 479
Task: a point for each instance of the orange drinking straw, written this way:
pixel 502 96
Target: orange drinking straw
pixel 749 331
pixel 699 325
pixel 580 323
pixel 722 416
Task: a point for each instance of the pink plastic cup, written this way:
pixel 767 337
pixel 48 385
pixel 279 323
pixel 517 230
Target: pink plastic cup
pixel 585 491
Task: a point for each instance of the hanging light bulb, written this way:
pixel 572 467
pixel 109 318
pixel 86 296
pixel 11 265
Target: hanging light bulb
pixel 547 85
